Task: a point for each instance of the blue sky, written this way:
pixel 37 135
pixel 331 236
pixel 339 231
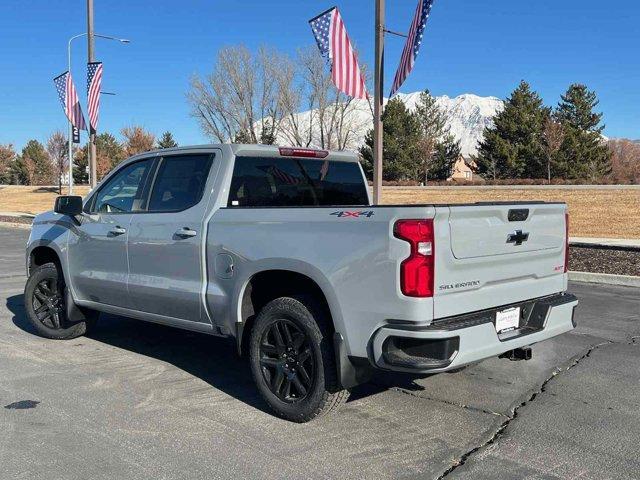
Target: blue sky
pixel 481 47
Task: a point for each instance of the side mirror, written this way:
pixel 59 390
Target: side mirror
pixel 68 205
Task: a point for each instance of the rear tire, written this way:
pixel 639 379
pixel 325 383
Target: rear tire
pixel 292 359
pixel 45 304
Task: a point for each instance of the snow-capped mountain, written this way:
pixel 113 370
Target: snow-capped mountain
pixel 468 115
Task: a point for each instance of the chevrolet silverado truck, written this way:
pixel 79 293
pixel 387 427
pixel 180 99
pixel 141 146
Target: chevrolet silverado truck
pixel 281 250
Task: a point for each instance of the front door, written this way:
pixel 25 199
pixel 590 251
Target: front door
pixel 98 246
pixel 166 243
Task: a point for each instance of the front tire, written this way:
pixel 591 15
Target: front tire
pixel 292 359
pixel 45 304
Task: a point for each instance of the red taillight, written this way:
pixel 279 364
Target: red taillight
pixel 417 271
pixel 566 242
pixel 302 152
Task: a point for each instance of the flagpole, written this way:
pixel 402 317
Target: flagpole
pixel 378 99
pixel 70 138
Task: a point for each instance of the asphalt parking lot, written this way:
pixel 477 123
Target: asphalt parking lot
pixel 143 401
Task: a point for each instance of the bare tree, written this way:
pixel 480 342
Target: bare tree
pixel 331 118
pixel 553 136
pixel 625 160
pixel 136 140
pixel 259 99
pixel 58 154
pixel 296 94
pixel 242 97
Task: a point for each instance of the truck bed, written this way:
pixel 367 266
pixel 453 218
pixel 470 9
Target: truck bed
pixel 353 255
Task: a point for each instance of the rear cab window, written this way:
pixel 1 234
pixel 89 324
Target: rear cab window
pixel 296 182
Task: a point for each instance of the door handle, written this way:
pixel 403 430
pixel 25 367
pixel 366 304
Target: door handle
pixel 117 230
pixel 186 232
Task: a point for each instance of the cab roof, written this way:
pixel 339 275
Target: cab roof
pixel 255 150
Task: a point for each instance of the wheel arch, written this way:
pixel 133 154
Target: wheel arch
pixel 43 251
pixel 42 254
pixel 265 285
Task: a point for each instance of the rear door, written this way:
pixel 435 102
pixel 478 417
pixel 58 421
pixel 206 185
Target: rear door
pixel 166 246
pixel 489 255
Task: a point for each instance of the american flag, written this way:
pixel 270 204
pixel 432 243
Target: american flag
pixel 281 175
pixel 69 98
pixel 411 48
pixel 324 169
pixel 334 44
pixel 94 81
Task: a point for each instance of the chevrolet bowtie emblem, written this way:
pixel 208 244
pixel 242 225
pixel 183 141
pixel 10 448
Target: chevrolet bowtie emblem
pixel 517 238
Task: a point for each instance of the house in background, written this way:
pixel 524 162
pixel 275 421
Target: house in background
pixel 463 171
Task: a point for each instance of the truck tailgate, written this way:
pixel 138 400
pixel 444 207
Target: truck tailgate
pixel 489 255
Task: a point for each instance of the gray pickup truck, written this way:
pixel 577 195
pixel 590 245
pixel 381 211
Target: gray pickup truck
pixel 281 250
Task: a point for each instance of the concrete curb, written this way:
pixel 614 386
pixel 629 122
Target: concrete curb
pixel 631 244
pixel 17 214
pixel 26 226
pixel 454 187
pixel 605 278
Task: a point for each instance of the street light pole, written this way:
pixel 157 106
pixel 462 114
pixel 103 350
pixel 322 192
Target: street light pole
pixel 378 99
pixel 92 135
pixel 70 140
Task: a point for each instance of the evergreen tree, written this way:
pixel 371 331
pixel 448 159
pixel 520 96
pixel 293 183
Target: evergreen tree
pixel 242 136
pixel 80 166
pixel 433 125
pixel 445 157
pixel 167 141
pixel 267 133
pixel 513 147
pixel 583 153
pixel 401 134
pixel 32 166
pixel 109 153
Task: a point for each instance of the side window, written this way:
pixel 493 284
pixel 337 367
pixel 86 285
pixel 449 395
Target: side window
pixel 180 182
pixel 124 192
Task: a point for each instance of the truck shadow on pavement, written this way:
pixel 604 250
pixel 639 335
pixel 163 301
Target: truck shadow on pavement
pixel 211 359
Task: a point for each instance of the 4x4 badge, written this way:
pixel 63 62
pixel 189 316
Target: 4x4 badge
pixel 517 238
pixel 343 214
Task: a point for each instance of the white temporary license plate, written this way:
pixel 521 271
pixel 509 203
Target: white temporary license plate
pixel 507 319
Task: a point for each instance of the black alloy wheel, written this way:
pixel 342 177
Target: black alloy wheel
pixel 286 360
pixel 48 304
pixel 292 358
pixel 45 301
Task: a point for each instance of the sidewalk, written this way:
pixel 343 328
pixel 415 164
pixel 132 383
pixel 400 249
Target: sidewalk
pixel 613 243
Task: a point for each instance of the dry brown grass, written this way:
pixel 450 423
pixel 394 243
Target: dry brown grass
pixel 15 198
pixel 613 213
pixel 610 213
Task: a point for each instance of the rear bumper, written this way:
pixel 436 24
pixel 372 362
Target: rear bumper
pixel 450 343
